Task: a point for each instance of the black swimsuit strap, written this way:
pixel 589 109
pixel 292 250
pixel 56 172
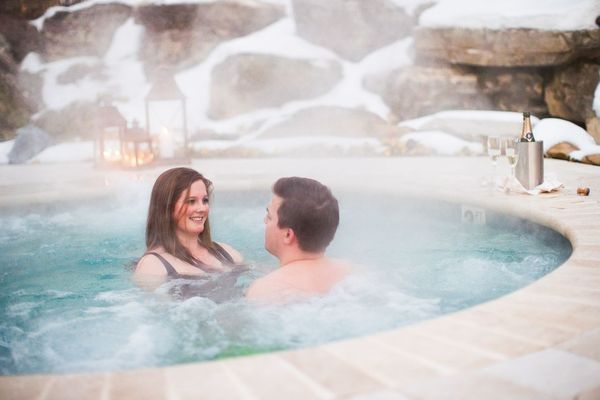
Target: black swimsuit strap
pixel 221 254
pixel 171 271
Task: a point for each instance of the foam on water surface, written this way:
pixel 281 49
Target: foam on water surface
pixel 68 303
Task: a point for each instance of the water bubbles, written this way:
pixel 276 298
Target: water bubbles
pixel 69 304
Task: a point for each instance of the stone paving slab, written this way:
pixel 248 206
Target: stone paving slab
pixel 540 342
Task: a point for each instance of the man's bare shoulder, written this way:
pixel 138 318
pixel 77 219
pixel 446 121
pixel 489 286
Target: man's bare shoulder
pixel 267 287
pixel 340 264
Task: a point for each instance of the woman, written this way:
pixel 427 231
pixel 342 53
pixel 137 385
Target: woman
pixel 178 237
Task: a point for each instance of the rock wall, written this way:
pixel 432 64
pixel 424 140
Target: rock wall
pixel 550 73
pixel 351 28
pixel 183 34
pixel 86 32
pixel 17 38
pixel 507 47
pixel 175 36
pixel 28 9
pixel 247 82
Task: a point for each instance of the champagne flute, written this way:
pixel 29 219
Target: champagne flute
pixel 510 145
pixel 493 148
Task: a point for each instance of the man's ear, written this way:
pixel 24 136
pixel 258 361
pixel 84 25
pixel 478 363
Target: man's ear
pixel 290 236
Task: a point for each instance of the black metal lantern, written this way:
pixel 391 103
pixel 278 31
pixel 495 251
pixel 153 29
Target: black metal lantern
pixel 166 118
pixel 136 147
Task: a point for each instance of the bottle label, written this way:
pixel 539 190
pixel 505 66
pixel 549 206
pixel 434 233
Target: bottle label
pixel 529 137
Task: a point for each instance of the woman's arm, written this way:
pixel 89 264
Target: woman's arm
pixel 149 273
pixel 150 265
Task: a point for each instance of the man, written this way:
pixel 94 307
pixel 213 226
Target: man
pixel 300 223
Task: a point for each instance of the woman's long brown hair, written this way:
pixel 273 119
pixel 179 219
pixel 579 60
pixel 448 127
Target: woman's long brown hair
pixel 161 226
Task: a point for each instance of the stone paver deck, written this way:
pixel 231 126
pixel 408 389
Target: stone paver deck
pixel 540 342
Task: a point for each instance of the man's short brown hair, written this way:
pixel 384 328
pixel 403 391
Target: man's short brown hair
pixel 309 208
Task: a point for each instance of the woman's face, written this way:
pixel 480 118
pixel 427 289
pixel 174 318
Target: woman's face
pixel 191 209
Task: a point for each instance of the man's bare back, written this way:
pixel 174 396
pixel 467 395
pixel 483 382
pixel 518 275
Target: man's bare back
pixel 299 279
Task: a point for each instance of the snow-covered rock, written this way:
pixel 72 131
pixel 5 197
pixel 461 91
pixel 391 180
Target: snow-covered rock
pixel 437 142
pixel 471 124
pixel 509 33
pixel 352 29
pixel 555 130
pixel 29 142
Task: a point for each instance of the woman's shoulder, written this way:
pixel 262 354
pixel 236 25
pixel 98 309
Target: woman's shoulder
pixel 150 264
pixel 235 255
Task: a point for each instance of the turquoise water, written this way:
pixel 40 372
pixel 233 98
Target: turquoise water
pixel 68 304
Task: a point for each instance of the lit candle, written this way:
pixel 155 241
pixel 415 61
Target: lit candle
pixel 166 147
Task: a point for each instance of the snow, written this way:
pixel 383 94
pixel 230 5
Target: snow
pixel 39 23
pixel 4 150
pixel 57 95
pixel 550 130
pixel 122 75
pixel 292 145
pixel 471 123
pixel 439 131
pixel 125 79
pixel 447 132
pixel 443 143
pixel 125 73
pixel 279 39
pixel 596 103
pixel 410 6
pixel 555 130
pixel 579 155
pixel 66 152
pixel 564 15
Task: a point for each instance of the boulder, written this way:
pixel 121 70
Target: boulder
pixel 332 121
pixel 593 159
pixel 570 93
pixel 21 36
pixel 85 32
pixel 514 89
pixel 561 151
pixel 7 61
pixel 435 142
pixel 351 28
pixel 507 47
pixel 180 35
pixel 30 141
pixel 470 125
pixel 26 9
pixel 77 120
pixel 30 87
pixel 247 82
pixel 14 111
pixel 416 90
pixel 14 108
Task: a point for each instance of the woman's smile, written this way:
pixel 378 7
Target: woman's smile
pixel 198 219
pixel 192 209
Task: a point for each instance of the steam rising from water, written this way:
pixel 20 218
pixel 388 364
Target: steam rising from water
pixel 68 303
pixel 123 79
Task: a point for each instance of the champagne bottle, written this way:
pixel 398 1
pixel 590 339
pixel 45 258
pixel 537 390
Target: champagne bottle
pixel 526 131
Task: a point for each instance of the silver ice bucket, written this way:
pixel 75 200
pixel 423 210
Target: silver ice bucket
pixel 530 165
